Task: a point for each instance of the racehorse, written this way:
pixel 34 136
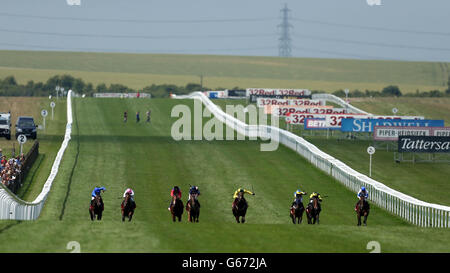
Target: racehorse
pixel 127 206
pixel 176 208
pixel 96 208
pixel 193 208
pixel 239 208
pixel 313 211
pixel 362 208
pixel 296 213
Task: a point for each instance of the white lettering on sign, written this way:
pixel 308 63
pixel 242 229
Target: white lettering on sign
pixel 261 102
pixel 390 133
pixel 331 120
pixel 315 124
pixel 277 92
pixel 441 131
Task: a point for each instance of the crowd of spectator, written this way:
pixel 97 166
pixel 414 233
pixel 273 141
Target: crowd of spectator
pixel 10 170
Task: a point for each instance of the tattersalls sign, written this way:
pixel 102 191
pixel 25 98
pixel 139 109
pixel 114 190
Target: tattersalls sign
pixel 424 144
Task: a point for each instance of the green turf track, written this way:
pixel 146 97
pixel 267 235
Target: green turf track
pixel 105 151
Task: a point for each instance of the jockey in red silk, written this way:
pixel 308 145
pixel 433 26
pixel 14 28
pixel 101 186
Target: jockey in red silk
pixel 175 192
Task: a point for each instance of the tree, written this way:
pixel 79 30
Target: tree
pixel 101 88
pixel 391 90
pixel 10 80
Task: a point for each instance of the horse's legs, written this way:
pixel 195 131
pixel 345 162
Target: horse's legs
pixel 359 219
pixel 92 215
pixel 365 219
pixel 243 219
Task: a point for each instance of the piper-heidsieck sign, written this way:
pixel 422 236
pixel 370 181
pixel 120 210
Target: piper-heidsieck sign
pixel 424 144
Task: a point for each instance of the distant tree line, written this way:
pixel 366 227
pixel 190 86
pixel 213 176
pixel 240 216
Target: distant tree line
pixel 393 91
pixel 10 87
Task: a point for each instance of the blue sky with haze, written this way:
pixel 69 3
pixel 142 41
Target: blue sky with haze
pixel 352 29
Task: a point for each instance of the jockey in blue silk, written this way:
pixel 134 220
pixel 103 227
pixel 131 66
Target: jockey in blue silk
pixel 363 192
pixel 97 191
pixel 298 197
pixel 193 190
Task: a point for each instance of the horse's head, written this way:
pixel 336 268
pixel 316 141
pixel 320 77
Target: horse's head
pixel 192 197
pixel 127 198
pixel 315 202
pixel 240 195
pixel 97 200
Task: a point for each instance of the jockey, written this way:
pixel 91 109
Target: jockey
pixel 97 191
pixel 298 198
pixel 236 193
pixel 194 191
pixel 130 192
pixel 175 192
pixel 363 192
pixel 315 195
pixel 240 191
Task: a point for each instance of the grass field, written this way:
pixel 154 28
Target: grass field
pixel 140 70
pixel 105 151
pixel 420 180
pixel 425 181
pixel 49 139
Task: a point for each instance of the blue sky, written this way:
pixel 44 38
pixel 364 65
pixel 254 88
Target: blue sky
pixel 352 29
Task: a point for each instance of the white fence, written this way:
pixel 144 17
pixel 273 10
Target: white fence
pixel 338 101
pixel 122 95
pixel 411 209
pixel 12 207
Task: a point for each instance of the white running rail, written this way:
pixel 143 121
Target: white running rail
pixel 12 207
pixel 409 208
pixel 339 101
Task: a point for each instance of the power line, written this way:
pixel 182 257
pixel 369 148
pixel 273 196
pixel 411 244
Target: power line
pixel 303 36
pixel 147 21
pixel 45 47
pixel 226 20
pixel 372 27
pixel 152 37
pixel 283 47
